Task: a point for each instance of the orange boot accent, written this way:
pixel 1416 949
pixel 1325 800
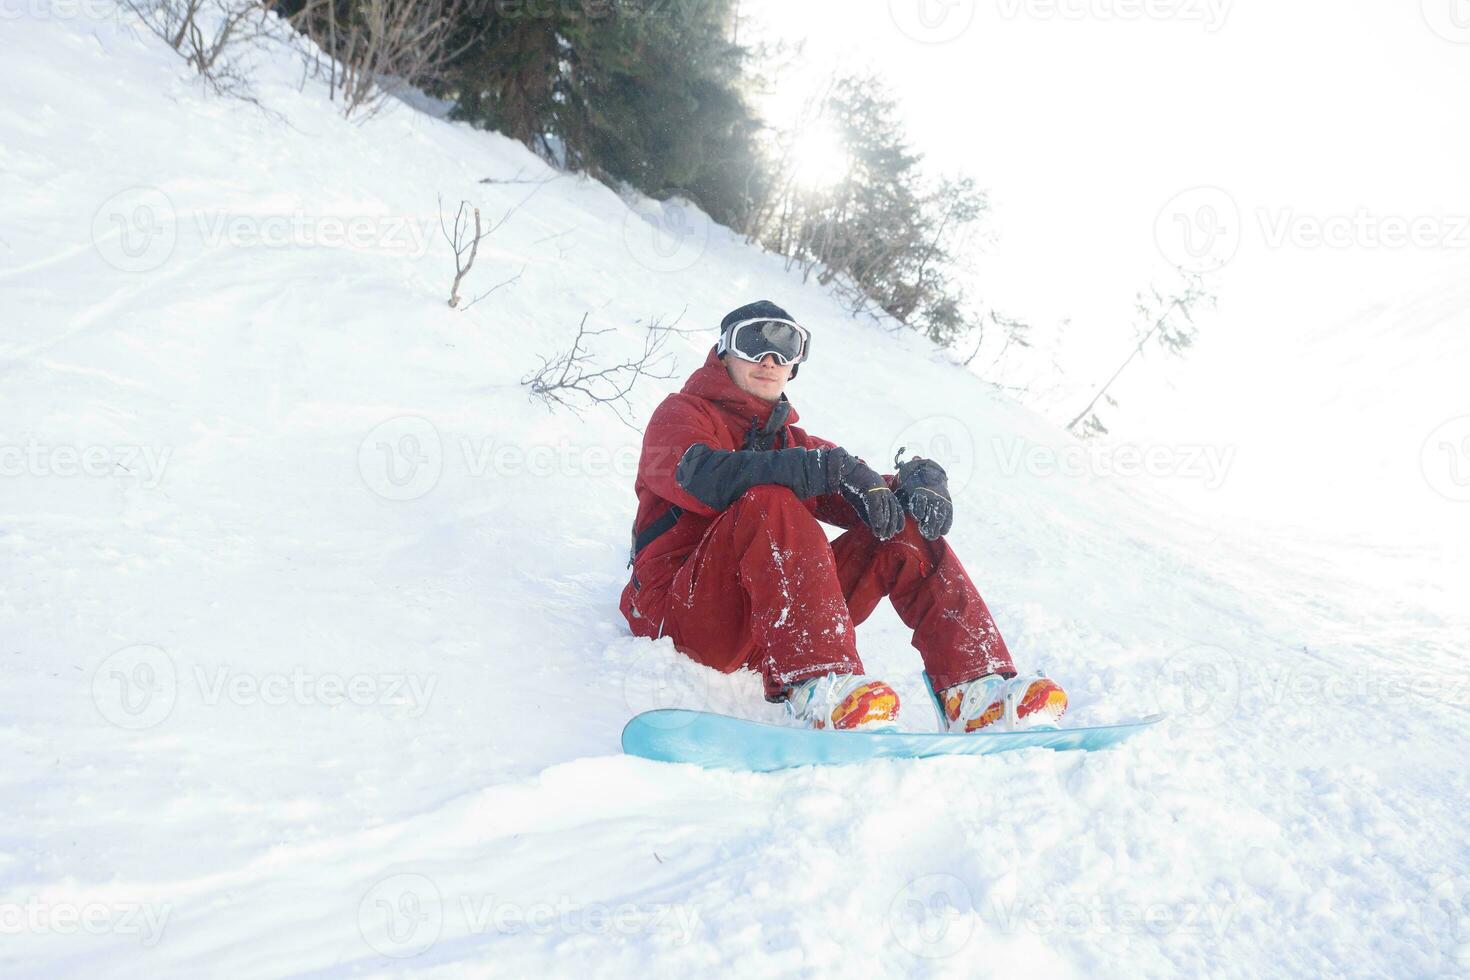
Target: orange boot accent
pixel 1044 697
pixel 875 702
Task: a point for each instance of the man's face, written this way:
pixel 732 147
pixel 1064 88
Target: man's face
pixel 765 380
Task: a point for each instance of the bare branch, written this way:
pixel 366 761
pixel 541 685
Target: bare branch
pixel 493 288
pixel 466 246
pixel 1158 317
pixel 464 250
pixel 517 179
pixel 570 377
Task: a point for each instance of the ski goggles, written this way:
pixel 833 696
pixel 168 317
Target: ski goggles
pixel 751 340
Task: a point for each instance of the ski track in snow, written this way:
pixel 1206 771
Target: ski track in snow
pixel 469 813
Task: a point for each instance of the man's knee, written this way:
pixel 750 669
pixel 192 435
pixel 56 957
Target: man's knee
pixel 771 502
pixel 908 541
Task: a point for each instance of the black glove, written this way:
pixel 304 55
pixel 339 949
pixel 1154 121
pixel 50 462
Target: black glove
pixel 869 495
pixel 923 490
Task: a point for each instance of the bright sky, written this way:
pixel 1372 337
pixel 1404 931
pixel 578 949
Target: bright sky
pixel 1087 119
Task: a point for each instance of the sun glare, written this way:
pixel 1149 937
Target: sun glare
pixel 819 158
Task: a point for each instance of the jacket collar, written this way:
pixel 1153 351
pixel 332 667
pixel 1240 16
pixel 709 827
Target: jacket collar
pixel 713 383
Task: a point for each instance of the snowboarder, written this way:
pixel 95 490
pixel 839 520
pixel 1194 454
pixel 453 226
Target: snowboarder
pixel 730 561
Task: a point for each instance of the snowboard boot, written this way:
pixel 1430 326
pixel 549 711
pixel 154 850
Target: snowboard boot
pixel 994 703
pixel 844 702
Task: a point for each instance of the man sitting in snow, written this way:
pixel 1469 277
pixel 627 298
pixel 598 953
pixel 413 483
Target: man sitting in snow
pixel 729 559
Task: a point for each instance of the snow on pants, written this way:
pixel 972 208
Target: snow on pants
pixel 764 589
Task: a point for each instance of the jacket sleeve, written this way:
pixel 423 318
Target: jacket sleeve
pixel 717 477
pixel 683 464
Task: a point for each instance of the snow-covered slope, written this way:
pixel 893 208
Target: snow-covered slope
pixel 308 626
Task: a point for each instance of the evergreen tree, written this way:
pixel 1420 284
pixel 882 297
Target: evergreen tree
pixel 506 77
pixel 643 91
pixel 877 231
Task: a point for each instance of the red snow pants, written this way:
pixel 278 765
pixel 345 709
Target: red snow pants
pixel 764 589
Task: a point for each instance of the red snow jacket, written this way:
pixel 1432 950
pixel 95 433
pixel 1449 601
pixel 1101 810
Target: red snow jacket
pixel 711 412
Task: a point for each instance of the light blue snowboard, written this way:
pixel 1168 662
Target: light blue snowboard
pixel 721 742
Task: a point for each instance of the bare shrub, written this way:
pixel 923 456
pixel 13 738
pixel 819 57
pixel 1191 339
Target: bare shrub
pixel 571 378
pixel 373 46
pixel 207 32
